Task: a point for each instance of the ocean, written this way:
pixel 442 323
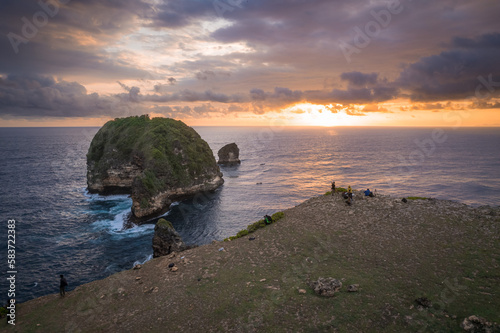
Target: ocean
pixel 61 229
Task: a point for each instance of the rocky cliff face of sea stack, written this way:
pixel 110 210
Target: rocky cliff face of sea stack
pixel 229 155
pixel 157 161
pixel 166 239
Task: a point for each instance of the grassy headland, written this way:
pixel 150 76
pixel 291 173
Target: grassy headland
pixel 397 252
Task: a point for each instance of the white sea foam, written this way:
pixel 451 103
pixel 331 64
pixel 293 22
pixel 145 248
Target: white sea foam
pixel 138 262
pixel 98 197
pixel 116 227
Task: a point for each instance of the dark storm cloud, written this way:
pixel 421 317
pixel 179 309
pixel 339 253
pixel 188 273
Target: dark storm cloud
pixel 39 96
pixel 490 40
pixel 45 37
pixel 455 73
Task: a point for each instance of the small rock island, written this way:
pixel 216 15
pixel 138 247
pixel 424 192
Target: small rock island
pixel 229 155
pixel 166 239
pixel 156 161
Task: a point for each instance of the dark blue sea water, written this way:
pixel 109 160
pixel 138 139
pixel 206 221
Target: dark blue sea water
pixel 60 229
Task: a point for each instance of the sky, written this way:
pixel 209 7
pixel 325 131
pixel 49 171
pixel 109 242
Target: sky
pixel 251 62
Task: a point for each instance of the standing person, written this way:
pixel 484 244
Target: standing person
pixel 62 285
pixel 349 192
pixel 333 188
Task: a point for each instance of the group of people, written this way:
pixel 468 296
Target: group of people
pixel 348 195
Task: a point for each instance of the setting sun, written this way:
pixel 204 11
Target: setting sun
pixel 306 114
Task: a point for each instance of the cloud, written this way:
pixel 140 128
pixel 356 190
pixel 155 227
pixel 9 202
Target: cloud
pixel 204 75
pixel 39 96
pixel 262 57
pixel 485 41
pixel 453 74
pixel 359 79
pixel 74 40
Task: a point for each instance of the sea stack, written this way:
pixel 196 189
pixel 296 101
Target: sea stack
pixel 157 161
pixel 229 155
pixel 166 239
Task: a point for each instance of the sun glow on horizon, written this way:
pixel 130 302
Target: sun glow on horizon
pixel 307 114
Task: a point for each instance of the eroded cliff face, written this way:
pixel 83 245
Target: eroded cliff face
pixel 162 201
pixel 157 161
pixel 118 180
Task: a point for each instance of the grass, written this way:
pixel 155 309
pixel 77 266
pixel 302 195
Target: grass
pixel 162 223
pixel 255 226
pixel 417 198
pixel 337 190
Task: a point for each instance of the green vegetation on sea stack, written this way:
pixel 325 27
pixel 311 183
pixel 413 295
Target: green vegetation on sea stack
pixel 145 157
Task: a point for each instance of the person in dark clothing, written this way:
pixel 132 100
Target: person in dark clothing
pixel 333 188
pixel 268 219
pixel 62 286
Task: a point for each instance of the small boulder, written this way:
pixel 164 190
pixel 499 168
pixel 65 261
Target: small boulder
pixel 478 324
pixel 353 288
pixel 423 302
pixel 229 155
pixel 166 240
pixel 326 286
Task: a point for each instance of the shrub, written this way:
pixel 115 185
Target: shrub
pixel 255 226
pixel 417 198
pixel 144 203
pixel 278 216
pixel 162 223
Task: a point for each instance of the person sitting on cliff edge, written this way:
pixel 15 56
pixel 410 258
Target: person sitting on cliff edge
pixel 368 193
pixel 268 219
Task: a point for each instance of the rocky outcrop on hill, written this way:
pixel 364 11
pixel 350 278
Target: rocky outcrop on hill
pixel 326 286
pixel 479 324
pixel 166 239
pixel 157 161
pixel 229 155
